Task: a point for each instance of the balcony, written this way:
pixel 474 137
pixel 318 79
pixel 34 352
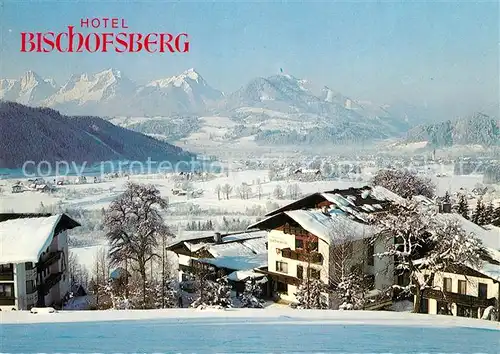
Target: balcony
pixel 312 257
pixel 49 259
pixel 7 301
pixel 52 280
pixel 31 274
pixel 7 276
pixel 459 299
pixel 32 299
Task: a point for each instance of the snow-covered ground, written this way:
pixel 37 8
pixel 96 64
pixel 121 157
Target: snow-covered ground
pixel 244 331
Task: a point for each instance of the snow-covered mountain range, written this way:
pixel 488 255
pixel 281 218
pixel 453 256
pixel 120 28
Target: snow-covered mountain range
pixel 110 93
pixel 279 109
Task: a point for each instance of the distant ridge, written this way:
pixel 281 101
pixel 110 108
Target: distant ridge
pixel 478 129
pixel 43 134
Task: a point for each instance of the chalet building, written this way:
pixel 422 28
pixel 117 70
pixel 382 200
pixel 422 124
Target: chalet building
pixel 330 222
pixel 462 290
pixel 235 255
pixel 33 260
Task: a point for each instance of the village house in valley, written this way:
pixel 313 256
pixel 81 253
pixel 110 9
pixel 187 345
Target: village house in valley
pixel 34 260
pixel 308 238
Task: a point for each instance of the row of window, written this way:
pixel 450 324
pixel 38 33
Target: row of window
pixel 282 267
pixel 462 287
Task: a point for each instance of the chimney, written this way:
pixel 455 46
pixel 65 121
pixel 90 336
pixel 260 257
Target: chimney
pixel 218 237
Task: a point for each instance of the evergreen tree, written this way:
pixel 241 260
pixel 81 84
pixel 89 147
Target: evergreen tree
pixel 488 213
pixel 478 214
pixel 350 292
pixel 251 295
pixel 463 206
pixel 222 293
pixel 308 294
pixel 495 219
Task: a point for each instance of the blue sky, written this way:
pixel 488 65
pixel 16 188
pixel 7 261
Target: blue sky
pixel 444 54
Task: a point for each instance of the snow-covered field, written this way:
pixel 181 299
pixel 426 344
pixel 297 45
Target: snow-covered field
pixel 244 331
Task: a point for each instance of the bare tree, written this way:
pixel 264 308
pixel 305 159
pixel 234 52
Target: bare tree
pixel 293 191
pixel 218 190
pixel 259 189
pixel 78 274
pixel 226 190
pixel 133 225
pixel 346 267
pixel 404 183
pixel 244 191
pixel 278 192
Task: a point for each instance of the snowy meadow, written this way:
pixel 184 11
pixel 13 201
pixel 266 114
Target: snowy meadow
pixel 244 331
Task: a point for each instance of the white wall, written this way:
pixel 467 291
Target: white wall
pixel 20 286
pixel 279 240
pixel 382 269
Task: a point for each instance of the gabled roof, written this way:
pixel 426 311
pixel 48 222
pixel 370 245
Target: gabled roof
pixel 352 200
pixel 329 227
pixel 23 239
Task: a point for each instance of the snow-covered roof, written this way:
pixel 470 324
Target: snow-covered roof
pixel 25 239
pixel 229 249
pixel 242 275
pixel 238 262
pixel 382 193
pixel 489 237
pixel 490 269
pixel 331 227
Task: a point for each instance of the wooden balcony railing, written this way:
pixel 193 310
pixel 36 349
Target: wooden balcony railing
pixel 7 301
pixel 7 276
pixel 312 257
pixel 52 280
pixel 459 299
pixel 49 259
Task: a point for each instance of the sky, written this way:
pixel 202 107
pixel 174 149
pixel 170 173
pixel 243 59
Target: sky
pixel 444 54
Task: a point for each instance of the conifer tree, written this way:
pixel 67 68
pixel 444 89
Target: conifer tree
pixel 488 213
pixel 478 214
pixel 463 206
pixel 495 219
pixel 251 296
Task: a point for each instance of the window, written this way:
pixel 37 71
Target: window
pixel 281 287
pixel 314 273
pixel 462 287
pixel 424 306
pixel 483 291
pixel 306 242
pixel 370 255
pixel 447 285
pixel 281 267
pixel 6 268
pixel 6 290
pixel 300 272
pixel 28 265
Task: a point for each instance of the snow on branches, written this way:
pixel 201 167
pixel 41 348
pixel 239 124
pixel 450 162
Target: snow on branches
pixel 404 183
pixel 425 243
pixel 350 292
pixel 251 295
pixel 133 227
pixel 309 296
